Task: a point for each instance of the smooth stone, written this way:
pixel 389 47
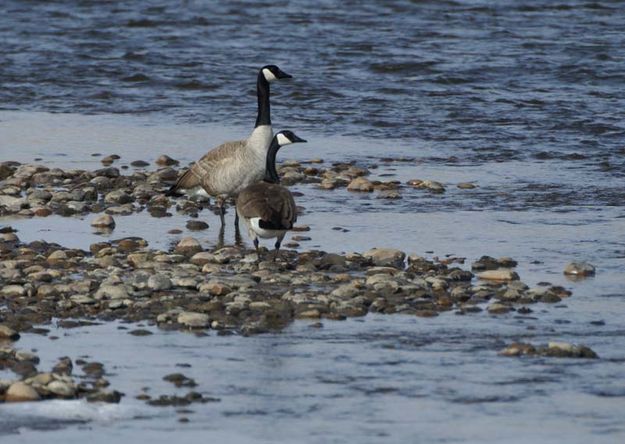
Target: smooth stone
pixel 193 319
pixel 196 225
pixel 189 246
pixel 61 388
pixel 7 332
pixel 165 160
pixel 360 184
pixel 466 186
pixel 108 291
pixel 159 282
pixel 498 275
pixel 21 392
pixel 12 291
pixel 384 257
pixel 103 220
pixel 580 269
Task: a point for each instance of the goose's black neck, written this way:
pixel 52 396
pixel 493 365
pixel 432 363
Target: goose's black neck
pixel 271 175
pixel 262 91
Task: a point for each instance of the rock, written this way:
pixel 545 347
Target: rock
pixel 12 291
pixel 430 185
pixel 193 319
pixel 497 308
pixel 57 257
pixel 159 282
pixel 498 275
pixel 386 257
pixel 139 163
pixel 518 349
pixel 217 288
pixel 108 291
pixel 21 392
pixel 566 350
pixel 105 396
pixel 466 186
pixel 104 221
pixel 196 225
pixel 165 160
pixel 579 269
pixel 360 184
pixel 62 389
pixel 7 332
pixel 188 246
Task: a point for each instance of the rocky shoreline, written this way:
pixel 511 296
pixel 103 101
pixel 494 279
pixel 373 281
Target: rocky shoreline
pixel 226 289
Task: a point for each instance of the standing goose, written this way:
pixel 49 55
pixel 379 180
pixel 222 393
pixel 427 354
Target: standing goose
pixel 267 208
pixel 230 167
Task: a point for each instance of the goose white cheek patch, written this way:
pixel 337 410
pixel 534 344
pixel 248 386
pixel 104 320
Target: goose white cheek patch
pixel 269 75
pixel 282 139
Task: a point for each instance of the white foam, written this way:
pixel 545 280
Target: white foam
pixel 73 410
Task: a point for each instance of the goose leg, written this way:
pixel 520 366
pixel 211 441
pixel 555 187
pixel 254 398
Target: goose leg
pixel 257 248
pixel 277 245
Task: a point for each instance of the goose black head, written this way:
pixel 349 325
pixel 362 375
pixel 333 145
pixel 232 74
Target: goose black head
pixel 272 72
pixel 287 137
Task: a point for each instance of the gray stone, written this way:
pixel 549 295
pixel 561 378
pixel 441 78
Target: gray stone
pixel 386 257
pixel 103 220
pixel 193 319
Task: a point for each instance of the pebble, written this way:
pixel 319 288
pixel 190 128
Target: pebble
pixel 103 220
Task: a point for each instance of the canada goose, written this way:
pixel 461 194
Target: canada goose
pixel 267 208
pixel 230 167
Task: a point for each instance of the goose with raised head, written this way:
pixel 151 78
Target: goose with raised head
pixel 225 170
pixel 267 208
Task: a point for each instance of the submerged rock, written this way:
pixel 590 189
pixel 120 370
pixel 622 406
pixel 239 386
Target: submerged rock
pixel 580 269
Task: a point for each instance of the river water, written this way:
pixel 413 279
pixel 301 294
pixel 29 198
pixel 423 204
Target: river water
pixel 522 98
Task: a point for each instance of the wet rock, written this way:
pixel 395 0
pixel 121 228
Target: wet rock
pixel 188 246
pixel 386 257
pixel 139 163
pixel 360 184
pixel 117 197
pixel 497 308
pixel 112 397
pixel 62 389
pixel 103 221
pixel 159 282
pixel 165 160
pixel 196 225
pixel 518 349
pixel 566 350
pixel 7 332
pixel 579 269
pixel 553 349
pixel 498 275
pixel 466 185
pixel 64 366
pixel 12 291
pixel 430 185
pixel 21 392
pixel 180 380
pixel 193 320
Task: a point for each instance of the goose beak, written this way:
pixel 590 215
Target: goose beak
pixel 298 139
pixel 282 75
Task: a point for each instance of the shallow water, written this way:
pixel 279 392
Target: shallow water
pixel 523 99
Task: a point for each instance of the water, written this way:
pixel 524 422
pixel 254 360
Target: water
pixel 522 98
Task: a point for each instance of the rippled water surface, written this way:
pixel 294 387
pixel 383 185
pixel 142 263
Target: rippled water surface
pixel 523 98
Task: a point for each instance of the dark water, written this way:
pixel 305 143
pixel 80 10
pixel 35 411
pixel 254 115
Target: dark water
pixel 516 77
pixel 524 98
